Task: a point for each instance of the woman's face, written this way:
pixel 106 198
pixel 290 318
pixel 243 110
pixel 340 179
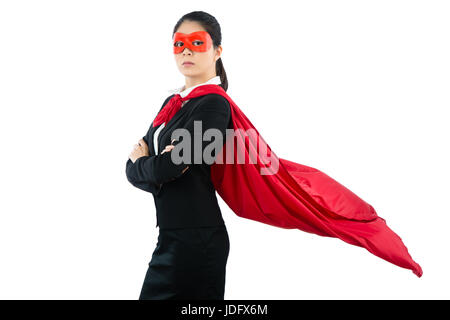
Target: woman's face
pixel 204 62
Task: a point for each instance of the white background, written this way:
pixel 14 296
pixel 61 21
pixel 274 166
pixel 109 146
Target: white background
pixel 356 89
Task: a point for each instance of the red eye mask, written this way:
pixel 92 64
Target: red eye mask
pixel 196 41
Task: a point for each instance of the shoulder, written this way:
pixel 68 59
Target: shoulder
pixel 213 102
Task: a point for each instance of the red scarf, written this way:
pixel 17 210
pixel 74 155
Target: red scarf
pixel 297 196
pixel 169 109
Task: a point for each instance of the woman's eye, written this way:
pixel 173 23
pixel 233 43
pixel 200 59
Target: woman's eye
pixel 198 41
pixel 178 44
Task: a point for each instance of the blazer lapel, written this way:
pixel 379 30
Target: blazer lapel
pixel 171 123
pixel 148 138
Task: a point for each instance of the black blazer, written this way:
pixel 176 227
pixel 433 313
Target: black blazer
pixel 182 200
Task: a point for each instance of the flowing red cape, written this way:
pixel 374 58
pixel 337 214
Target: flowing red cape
pixel 297 196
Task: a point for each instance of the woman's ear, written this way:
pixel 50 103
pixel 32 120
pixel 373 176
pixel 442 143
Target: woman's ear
pixel 218 52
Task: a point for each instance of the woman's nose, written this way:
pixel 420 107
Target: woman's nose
pixel 188 51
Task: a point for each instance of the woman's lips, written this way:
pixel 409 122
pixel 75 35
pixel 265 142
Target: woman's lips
pixel 188 64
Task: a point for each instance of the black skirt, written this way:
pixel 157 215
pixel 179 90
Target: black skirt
pixel 188 263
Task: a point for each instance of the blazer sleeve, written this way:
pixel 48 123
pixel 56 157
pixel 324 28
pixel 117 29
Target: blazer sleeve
pixel 135 179
pixel 214 112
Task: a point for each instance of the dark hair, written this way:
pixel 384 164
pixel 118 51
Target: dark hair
pixel 210 24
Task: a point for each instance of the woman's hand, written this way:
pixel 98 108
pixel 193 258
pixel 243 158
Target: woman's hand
pixel 169 148
pixel 140 149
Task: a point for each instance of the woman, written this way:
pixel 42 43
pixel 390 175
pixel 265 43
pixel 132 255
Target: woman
pixel 190 258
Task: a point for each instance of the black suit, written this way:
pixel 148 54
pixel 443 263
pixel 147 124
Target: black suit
pixel 190 258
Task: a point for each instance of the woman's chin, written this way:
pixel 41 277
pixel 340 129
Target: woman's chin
pixel 189 73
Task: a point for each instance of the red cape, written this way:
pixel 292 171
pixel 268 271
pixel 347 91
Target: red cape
pixel 298 196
